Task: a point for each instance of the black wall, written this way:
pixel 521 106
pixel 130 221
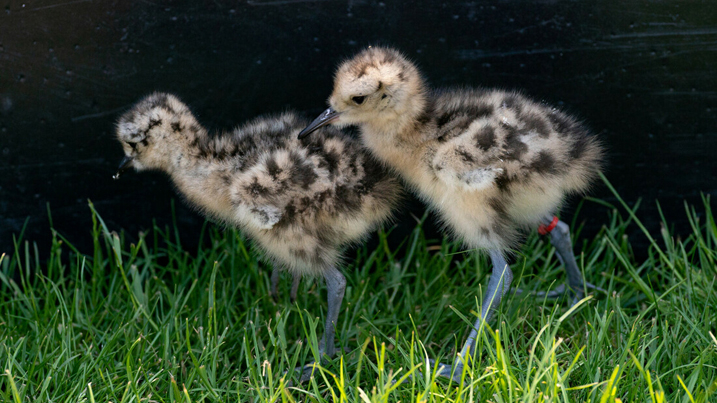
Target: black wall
pixel 641 74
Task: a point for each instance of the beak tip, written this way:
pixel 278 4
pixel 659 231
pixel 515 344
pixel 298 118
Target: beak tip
pixel 324 119
pixel 124 165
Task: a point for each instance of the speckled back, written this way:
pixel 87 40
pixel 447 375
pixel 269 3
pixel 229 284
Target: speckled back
pixel 301 201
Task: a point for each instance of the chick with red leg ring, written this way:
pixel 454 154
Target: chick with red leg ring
pixel 560 239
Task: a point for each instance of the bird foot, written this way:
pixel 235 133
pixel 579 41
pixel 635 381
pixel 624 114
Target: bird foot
pixel 308 370
pixel 558 292
pixel 453 372
pixel 561 291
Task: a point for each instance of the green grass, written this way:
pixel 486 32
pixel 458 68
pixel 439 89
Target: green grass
pixel 153 323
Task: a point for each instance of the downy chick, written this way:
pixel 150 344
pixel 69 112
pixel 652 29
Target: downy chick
pixel 299 201
pixel 491 163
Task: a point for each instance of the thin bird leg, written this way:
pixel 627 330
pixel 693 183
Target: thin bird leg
pixel 275 275
pixel 295 286
pixel 560 238
pixel 335 286
pixel 498 285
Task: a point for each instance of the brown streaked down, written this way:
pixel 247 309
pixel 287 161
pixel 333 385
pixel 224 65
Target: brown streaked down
pixel 300 201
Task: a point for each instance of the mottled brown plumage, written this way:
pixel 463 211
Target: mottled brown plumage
pixel 488 161
pixel 491 163
pixel 300 201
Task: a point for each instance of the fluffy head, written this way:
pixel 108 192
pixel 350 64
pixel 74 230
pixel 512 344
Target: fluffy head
pixel 379 85
pixel 146 131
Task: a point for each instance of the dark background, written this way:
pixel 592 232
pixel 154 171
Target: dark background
pixel 640 73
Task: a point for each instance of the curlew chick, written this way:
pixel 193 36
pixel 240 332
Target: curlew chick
pixel 491 163
pixel 299 201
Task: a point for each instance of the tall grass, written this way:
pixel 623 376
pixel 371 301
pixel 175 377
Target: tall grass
pixel 151 322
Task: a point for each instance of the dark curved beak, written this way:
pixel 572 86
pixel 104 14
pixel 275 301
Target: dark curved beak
pixel 124 165
pixel 324 119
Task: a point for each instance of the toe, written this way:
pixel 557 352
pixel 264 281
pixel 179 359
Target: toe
pixel 307 371
pixel 453 372
pixel 519 291
pixel 594 287
pixel 303 374
pixel 558 292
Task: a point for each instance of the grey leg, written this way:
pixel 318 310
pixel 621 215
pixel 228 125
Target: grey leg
pixel 295 286
pixel 274 292
pixel 335 286
pixel 498 285
pixel 560 239
pixel 275 275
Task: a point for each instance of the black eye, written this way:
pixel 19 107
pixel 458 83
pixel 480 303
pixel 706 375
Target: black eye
pixel 358 100
pixel 133 145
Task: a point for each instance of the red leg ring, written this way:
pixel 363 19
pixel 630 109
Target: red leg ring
pixel 545 229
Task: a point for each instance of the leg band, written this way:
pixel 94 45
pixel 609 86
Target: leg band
pixel 546 229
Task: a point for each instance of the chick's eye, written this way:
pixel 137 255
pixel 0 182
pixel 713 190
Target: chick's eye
pixel 132 144
pixel 358 100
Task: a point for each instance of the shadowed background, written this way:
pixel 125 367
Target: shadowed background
pixel 640 74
